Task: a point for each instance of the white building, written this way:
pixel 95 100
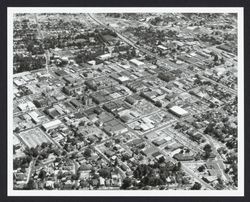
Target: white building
pixel 178 111
pixel 136 62
pixel 51 125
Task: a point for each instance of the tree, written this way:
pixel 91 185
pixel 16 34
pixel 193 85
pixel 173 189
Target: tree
pixel 34 152
pixel 126 183
pixel 117 141
pixel 208 149
pixel 104 172
pixel 161 159
pixel 30 185
pixel 44 144
pixel 17 130
pixel 196 186
pixel 17 163
pixel 201 168
pixel 177 167
pixel 125 157
pixel 158 103
pixel 64 153
pixel 14 150
pixel 87 153
pixel 42 174
pixel 74 177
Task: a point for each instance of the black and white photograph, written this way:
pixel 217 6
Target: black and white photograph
pixel 125 101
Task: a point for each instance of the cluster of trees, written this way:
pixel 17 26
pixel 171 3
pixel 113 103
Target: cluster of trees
pixel 35 47
pixel 131 53
pixel 51 42
pixel 154 175
pixel 87 55
pixel 66 25
pixel 208 150
pixel 108 32
pixel 87 153
pixel 28 63
pixel 207 16
pixel 196 186
pixel 166 76
pixel 221 131
pixel 114 15
pixel 22 162
pixel 76 39
pixel 69 146
pixel 213 40
pixel 42 152
pixel 162 20
pixel 30 185
pixel 105 172
pixel 61 175
pixel 151 36
pixel 232 160
pixel 129 16
pixel 126 183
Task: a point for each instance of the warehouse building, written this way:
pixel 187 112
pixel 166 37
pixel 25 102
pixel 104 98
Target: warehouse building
pixel 178 111
pixel 51 125
pixel 136 63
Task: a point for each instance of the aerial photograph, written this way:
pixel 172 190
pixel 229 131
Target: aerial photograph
pixel 125 101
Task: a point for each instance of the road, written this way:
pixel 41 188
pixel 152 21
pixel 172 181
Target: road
pixel 184 168
pixel 128 41
pixel 125 39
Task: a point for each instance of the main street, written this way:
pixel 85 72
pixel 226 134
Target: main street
pixel 125 39
pixel 128 41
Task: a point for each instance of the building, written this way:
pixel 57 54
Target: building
pixel 131 100
pixel 75 103
pixel 183 157
pixel 72 89
pixel 40 102
pixel 16 142
pixel 104 56
pixel 92 62
pixel 87 100
pixel 34 116
pixel 178 111
pixel 136 63
pixel 161 47
pixel 51 125
pixel 26 106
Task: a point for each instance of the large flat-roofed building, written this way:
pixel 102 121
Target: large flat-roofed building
pixel 104 56
pixel 178 111
pixel 161 47
pixel 136 63
pixel 51 125
pixel 34 116
pixel 26 106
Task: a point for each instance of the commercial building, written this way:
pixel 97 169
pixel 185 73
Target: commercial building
pixel 104 56
pixel 136 63
pixel 178 111
pixel 26 106
pixel 51 125
pixel 161 47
